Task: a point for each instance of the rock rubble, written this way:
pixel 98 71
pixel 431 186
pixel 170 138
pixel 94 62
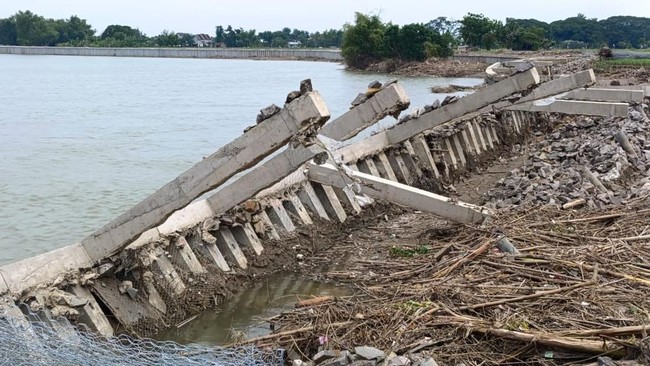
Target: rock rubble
pixel 364 356
pixel 582 159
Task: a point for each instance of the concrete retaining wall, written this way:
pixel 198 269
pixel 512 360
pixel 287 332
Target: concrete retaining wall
pixel 233 53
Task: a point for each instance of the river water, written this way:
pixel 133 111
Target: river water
pixel 83 139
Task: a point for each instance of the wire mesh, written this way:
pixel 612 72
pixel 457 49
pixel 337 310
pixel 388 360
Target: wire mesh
pixel 44 341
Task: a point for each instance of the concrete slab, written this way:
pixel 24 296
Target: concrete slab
pixel 402 194
pixel 44 268
pixel 575 108
pixel 465 105
pixel 389 100
pixel 273 171
pixel 240 154
pixel 606 95
pixel 126 310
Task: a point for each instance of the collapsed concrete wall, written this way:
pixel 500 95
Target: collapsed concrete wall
pixel 204 250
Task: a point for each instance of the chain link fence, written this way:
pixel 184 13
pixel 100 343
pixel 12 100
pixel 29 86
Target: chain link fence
pixel 44 341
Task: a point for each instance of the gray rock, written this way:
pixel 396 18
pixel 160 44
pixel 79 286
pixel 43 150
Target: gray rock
pixel 306 87
pixel 268 112
pixel 292 96
pixel 325 355
pixel 374 85
pixel 436 104
pixel 370 353
pixel 429 362
pixel 364 363
pixel 132 292
pixel 341 360
pixel 399 361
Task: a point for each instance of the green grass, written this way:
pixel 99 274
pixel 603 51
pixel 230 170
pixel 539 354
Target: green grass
pixel 634 62
pixel 407 252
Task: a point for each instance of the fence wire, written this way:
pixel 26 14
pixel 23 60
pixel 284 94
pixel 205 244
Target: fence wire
pixel 43 341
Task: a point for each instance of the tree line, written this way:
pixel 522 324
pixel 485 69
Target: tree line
pixel 28 29
pixel 366 40
pixel 574 32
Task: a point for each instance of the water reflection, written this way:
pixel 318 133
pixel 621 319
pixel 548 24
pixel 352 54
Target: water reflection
pixel 246 312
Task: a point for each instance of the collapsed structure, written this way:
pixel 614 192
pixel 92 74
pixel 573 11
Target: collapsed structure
pixel 294 169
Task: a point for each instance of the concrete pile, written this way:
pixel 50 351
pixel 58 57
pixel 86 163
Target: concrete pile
pixel 576 64
pixel 585 161
pixel 365 356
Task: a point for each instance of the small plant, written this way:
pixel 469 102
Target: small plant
pixel 408 252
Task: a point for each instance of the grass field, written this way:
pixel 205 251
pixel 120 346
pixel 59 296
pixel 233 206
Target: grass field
pixel 632 62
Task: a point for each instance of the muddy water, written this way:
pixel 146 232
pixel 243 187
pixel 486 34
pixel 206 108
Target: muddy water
pixel 246 313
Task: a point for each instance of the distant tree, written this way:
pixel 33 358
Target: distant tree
pixel 186 40
pixel 479 31
pixel 120 32
pixel 523 36
pixel 363 41
pixel 8 32
pixel 73 30
pixel 34 30
pixel 578 28
pixel 167 39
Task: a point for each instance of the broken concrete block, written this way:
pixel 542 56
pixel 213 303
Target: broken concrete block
pixel 369 353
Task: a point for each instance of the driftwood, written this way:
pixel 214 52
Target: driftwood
pixel 315 301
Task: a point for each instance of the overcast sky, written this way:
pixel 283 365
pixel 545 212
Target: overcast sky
pixel 200 16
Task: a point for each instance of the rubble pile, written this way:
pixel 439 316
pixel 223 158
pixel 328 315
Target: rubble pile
pixel 576 64
pixel 583 162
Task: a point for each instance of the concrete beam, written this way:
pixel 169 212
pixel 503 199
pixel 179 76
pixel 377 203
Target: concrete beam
pixel 228 245
pixel 41 269
pixel 245 235
pixel 242 153
pixel 386 190
pixel 296 209
pixel 423 152
pixel 561 85
pixel 575 107
pixel 606 95
pixel 269 229
pixel 383 166
pixel 467 104
pixel 331 203
pixel 279 217
pixel 210 251
pixel 91 314
pixel 164 268
pixel 183 256
pixel 309 198
pixel 389 100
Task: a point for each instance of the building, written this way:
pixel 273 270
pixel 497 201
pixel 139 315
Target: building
pixel 294 44
pixel 202 40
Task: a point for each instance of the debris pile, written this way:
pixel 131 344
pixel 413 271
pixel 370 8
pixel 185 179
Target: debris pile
pixel 575 291
pixel 592 161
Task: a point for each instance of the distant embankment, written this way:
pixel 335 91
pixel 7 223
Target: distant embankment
pixel 240 53
pixel 486 59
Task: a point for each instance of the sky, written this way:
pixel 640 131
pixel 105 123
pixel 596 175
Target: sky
pixel 201 16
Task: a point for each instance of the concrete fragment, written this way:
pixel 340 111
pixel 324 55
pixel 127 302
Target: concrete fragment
pixel 228 245
pixel 369 353
pixel 324 355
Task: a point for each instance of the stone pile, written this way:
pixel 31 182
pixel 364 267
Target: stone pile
pixel 582 163
pixel 365 356
pixel 577 64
